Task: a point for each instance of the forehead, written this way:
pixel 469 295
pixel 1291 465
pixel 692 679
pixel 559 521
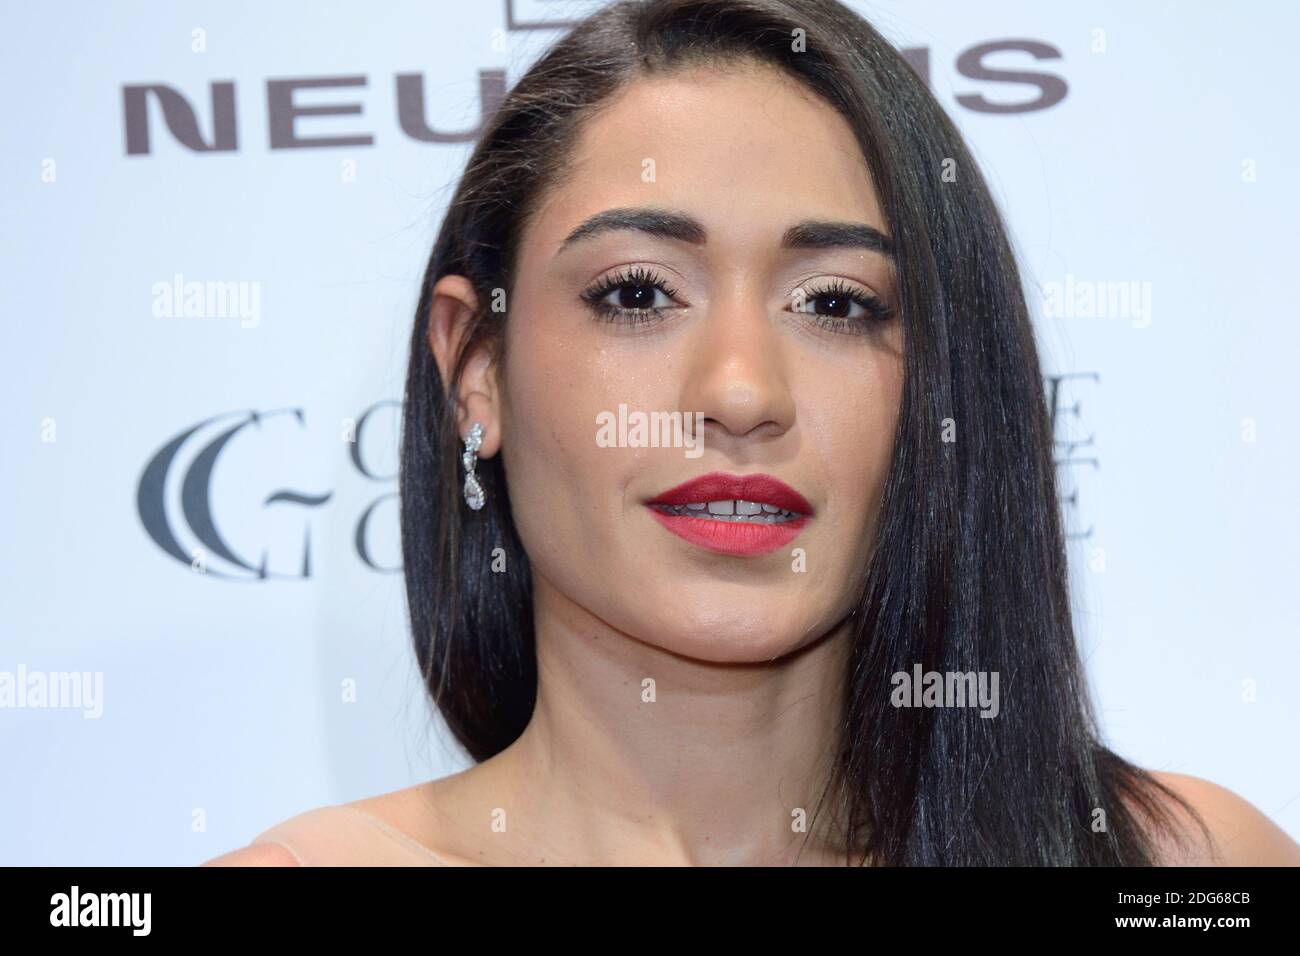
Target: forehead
pixel 745 149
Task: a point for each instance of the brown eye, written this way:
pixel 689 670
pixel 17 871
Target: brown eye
pixel 833 303
pixel 638 296
pixel 632 296
pixel 842 307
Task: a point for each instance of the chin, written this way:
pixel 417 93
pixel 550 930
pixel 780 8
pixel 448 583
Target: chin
pixel 747 638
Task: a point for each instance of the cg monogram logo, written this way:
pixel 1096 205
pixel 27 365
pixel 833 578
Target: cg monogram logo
pixel 175 496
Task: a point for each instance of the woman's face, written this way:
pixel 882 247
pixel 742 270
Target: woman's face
pixel 768 352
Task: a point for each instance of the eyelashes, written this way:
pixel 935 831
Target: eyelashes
pixel 637 279
pixel 843 296
pixel 636 292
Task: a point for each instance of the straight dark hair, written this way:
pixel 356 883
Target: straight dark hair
pixel 968 571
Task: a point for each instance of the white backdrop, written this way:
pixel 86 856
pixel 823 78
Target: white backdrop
pixel 1162 189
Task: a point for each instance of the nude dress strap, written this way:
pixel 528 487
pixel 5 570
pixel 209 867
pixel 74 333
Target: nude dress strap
pixel 341 835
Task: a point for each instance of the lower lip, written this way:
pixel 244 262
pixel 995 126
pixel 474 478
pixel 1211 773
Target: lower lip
pixel 739 538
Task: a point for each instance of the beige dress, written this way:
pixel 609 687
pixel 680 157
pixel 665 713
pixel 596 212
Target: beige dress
pixel 347 836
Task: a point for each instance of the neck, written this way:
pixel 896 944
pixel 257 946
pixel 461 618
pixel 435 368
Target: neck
pixel 636 754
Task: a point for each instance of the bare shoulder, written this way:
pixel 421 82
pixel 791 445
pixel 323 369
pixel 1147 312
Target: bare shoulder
pixel 257 854
pixel 333 834
pixel 1240 833
pixel 401 807
pixel 428 813
pixel 415 825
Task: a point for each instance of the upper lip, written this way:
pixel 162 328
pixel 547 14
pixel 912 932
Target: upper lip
pixel 720 486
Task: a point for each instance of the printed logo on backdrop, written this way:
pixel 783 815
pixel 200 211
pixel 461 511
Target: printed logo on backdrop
pixel 547 14
pixel 190 515
pixel 1075 446
pixel 998 67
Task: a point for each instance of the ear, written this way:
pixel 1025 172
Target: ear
pixel 477 399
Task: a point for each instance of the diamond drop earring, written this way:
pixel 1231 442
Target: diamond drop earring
pixel 473 490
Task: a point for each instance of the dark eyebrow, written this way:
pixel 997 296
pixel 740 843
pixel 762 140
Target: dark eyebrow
pixel 809 234
pixel 825 234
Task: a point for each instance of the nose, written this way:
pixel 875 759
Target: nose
pixel 737 376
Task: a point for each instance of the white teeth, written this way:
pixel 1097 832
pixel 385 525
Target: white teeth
pixel 752 512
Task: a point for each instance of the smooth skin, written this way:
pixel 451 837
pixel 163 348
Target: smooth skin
pixel 746 654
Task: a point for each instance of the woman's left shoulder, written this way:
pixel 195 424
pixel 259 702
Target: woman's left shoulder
pixel 1242 835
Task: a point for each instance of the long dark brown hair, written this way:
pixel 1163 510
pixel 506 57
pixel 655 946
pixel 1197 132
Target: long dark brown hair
pixel 968 570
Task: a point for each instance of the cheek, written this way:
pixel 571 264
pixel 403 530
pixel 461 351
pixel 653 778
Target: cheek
pixel 542 435
pixel 859 438
pixel 564 485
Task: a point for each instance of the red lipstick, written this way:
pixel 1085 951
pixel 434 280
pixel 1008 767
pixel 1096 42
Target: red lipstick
pixel 765 513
